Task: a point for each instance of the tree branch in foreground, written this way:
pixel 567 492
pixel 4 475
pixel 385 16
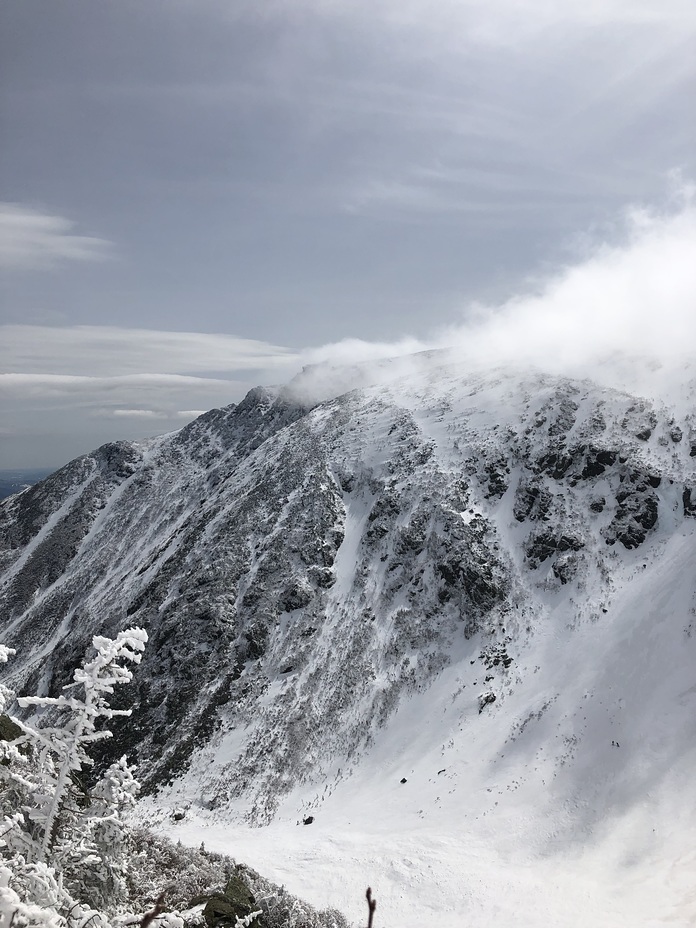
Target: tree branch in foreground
pixel 152 915
pixel 371 905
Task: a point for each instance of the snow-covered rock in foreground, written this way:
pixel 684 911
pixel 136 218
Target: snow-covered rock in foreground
pixel 476 583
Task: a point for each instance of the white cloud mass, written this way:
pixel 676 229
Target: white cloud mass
pixel 625 314
pixel 32 240
pixel 637 297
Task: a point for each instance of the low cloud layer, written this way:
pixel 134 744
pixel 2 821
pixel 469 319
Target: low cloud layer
pixel 33 240
pixel 92 350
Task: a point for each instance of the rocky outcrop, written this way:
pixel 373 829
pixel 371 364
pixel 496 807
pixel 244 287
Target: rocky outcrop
pixel 228 908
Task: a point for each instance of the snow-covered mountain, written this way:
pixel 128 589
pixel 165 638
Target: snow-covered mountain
pixel 441 606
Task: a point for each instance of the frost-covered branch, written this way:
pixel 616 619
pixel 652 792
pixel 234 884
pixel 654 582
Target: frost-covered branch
pixel 56 839
pixel 66 745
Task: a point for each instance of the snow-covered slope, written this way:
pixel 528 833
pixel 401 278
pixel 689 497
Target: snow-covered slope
pixel 477 582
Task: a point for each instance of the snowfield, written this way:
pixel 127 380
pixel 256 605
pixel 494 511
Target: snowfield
pixel 449 877
pixel 524 818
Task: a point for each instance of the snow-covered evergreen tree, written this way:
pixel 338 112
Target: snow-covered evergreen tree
pixel 61 842
pixel 66 858
pixel 62 748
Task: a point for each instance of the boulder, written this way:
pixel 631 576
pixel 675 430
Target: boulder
pixel 237 901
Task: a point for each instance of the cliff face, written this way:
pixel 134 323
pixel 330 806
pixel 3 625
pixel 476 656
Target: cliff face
pixel 306 568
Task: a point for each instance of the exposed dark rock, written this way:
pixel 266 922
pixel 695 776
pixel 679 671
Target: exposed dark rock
pixel 9 730
pixel 119 459
pixel 485 699
pixel 596 462
pixel 497 472
pixel 476 580
pixel 495 655
pixel 689 502
pixel 563 412
pixel 541 546
pixel 296 596
pixel 256 639
pixel 237 902
pixel 636 514
pixel 382 516
pixel 555 463
pixel 532 502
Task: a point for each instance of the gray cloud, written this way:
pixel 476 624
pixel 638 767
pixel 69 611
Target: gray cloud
pixel 33 240
pixel 512 20
pixel 136 413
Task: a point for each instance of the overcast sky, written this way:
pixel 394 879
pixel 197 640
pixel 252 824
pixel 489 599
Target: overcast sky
pixel 198 195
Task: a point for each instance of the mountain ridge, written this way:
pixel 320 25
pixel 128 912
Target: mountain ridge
pixel 139 533
pixel 476 582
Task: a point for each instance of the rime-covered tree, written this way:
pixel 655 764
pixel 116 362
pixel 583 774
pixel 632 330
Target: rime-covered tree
pixel 66 858
pixel 55 831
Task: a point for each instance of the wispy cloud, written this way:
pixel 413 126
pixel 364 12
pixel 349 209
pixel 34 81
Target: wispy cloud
pixel 474 95
pixel 106 371
pixel 541 13
pixel 150 403
pixel 92 351
pixel 34 240
pixel 136 413
pixel 68 384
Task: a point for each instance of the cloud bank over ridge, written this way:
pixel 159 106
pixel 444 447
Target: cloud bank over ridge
pixel 625 313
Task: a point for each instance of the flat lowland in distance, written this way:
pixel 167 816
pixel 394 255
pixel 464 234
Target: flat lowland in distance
pixel 13 481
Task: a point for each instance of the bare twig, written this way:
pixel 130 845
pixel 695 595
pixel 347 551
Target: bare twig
pixel 151 916
pixel 371 905
pixel 91 918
